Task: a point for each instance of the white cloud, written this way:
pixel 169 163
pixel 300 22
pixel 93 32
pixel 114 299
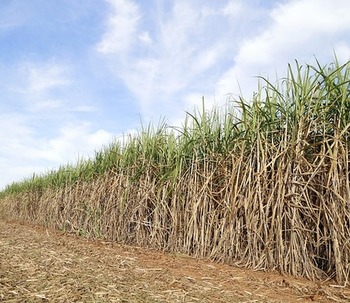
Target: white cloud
pixel 38 85
pixel 121 27
pixel 26 151
pixel 232 8
pixel 13 131
pixel 49 87
pixel 85 108
pixel 15 134
pixel 208 58
pixel 49 104
pixel 342 49
pixel 47 76
pixel 145 38
pixel 195 48
pixel 183 52
pixel 299 29
pixel 43 126
pixel 305 17
pixel 75 140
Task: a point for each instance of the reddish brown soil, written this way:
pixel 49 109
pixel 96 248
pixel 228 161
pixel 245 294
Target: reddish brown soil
pixel 38 265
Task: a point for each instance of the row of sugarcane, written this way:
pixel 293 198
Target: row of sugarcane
pixel 263 183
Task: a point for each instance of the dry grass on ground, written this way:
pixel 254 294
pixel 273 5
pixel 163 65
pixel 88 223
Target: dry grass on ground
pixel 38 265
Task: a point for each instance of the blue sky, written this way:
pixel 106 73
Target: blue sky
pixel 78 74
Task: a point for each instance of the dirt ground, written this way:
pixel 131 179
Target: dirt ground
pixel 39 265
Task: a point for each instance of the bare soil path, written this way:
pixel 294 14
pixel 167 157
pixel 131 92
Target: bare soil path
pixel 39 265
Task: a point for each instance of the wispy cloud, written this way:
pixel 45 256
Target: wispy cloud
pixel 296 29
pixel 49 86
pixel 176 55
pixel 42 128
pixel 46 77
pixel 38 85
pixel 27 151
pixel 121 27
pixel 75 140
pixel 52 97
